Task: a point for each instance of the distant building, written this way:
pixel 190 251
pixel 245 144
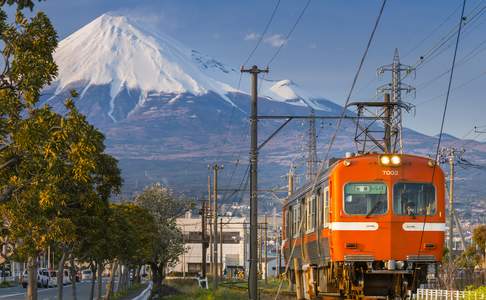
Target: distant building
pixel 234 247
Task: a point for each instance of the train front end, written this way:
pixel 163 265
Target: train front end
pixel 387 223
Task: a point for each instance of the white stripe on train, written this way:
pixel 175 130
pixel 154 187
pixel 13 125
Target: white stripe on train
pixel 372 226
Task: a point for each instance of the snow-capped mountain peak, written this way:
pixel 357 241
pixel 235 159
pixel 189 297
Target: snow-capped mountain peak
pixel 114 50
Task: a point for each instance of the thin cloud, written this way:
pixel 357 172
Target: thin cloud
pixel 251 36
pixel 276 40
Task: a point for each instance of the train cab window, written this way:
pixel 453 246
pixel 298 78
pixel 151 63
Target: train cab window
pixel 414 199
pixel 365 199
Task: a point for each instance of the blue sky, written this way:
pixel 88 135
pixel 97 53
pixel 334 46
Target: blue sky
pixel 323 52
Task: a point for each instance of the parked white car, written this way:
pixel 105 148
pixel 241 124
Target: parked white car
pixel 43 279
pixel 86 275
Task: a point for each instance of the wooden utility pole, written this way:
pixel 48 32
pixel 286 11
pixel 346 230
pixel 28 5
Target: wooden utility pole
pixel 265 248
pixel 279 259
pixel 216 168
pixel 210 206
pixel 204 240
pixel 451 204
pixel 221 248
pixel 450 155
pixel 253 280
pixel 260 251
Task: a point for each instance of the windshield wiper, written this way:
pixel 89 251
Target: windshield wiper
pixel 375 207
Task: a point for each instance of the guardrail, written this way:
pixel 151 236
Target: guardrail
pixel 145 294
pixel 427 294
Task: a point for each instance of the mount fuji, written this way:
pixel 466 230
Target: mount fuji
pixel 168 110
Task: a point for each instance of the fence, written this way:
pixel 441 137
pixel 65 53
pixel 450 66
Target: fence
pixel 145 294
pixel 427 294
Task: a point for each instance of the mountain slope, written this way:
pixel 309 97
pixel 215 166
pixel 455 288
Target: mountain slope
pixel 168 110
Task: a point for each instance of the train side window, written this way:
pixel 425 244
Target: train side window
pixel 325 211
pixel 414 199
pixel 288 222
pixel 365 198
pixel 311 213
pixel 296 220
pixel 319 208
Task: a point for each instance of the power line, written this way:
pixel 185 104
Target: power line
pixel 321 167
pixel 287 37
pixel 427 37
pixel 260 39
pixel 444 113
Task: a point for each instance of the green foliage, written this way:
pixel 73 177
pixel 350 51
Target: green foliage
pixel 479 236
pixel 54 174
pixel 21 4
pixel 164 207
pixel 480 292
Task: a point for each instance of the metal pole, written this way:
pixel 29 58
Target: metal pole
pixel 211 259
pixel 279 262
pixel 215 224
pixel 388 111
pixel 265 247
pixel 253 280
pixel 451 203
pixel 221 247
pixel 204 241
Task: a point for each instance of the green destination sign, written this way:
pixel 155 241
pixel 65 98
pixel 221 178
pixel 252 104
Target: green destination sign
pixel 365 189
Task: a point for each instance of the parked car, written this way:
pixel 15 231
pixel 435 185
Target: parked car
pixel 86 274
pixel 65 278
pixel 52 282
pixel 42 278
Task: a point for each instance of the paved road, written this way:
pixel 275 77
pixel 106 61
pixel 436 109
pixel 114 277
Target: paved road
pixel 18 293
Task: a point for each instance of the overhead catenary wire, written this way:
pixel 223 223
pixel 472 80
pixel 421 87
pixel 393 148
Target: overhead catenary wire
pixel 264 32
pixel 321 167
pixel 444 113
pixel 287 37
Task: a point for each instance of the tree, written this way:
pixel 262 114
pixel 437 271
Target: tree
pixel 168 245
pixel 479 238
pixel 53 168
pixel 21 4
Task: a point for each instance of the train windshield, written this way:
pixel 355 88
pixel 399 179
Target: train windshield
pixel 414 199
pixel 365 199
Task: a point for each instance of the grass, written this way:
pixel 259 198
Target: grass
pixel 188 289
pixel 6 284
pixel 134 288
pixel 234 290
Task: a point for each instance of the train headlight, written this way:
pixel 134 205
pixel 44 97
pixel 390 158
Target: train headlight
pixel 385 160
pixel 346 163
pixel 396 160
pixel 390 160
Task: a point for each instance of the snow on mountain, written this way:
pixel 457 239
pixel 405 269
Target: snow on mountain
pixel 290 92
pixel 113 50
pixel 118 52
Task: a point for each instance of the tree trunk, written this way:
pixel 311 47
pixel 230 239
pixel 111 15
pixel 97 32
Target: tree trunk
pixel 72 271
pixel 93 280
pixel 60 275
pixel 136 277
pixel 121 279
pixel 158 274
pixel 109 288
pixel 99 277
pixel 32 285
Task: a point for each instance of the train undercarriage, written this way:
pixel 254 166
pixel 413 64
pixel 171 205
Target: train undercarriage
pixel 359 279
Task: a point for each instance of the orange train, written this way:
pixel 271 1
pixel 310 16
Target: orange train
pixel 372 226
